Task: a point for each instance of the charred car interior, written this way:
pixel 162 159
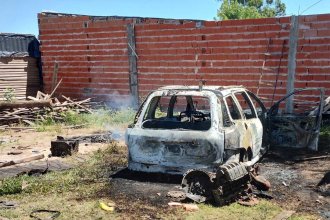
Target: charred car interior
pixel 178 112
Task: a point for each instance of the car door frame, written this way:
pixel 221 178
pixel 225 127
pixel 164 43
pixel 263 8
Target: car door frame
pixel 255 125
pixel 311 142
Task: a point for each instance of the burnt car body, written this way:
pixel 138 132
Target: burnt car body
pixel 178 128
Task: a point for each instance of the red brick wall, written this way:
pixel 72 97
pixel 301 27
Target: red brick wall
pixel 93 59
pixel 91 54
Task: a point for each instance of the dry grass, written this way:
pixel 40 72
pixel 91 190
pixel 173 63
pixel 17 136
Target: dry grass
pixel 76 193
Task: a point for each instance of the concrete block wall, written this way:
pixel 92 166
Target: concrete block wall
pixel 93 59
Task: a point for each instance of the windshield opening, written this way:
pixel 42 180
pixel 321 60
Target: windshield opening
pixel 178 112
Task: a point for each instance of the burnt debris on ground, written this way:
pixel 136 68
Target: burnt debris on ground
pixel 70 145
pixel 295 182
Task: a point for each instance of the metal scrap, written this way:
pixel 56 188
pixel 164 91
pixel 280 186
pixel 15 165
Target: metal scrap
pixel 222 186
pixel 228 183
pixel 8 205
pixel 62 147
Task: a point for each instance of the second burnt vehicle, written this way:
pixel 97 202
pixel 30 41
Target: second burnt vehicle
pixel 178 128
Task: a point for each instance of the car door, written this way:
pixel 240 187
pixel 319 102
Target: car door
pixel 236 130
pixel 252 122
pixel 300 127
pixel 262 115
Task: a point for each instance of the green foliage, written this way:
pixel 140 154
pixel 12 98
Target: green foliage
pixel 10 186
pixel 244 9
pixel 9 94
pixel 325 130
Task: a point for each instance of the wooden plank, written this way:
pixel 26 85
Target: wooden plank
pixel 54 77
pixel 293 42
pixel 69 100
pixel 132 60
pixel 25 104
pixel 22 160
pixel 55 88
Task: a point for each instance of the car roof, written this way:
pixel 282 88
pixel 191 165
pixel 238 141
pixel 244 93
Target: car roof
pixel 223 90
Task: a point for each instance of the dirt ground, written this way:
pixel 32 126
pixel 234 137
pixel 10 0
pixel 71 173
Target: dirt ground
pixel 143 196
pixel 29 143
pixel 293 185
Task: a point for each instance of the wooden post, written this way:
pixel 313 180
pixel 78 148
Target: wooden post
pixel 293 41
pixel 132 60
pixel 54 77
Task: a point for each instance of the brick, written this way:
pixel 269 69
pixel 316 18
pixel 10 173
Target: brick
pixel 323 33
pixel 284 20
pixel 323 17
pixel 310 33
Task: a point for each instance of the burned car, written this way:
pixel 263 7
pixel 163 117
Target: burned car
pixel 178 128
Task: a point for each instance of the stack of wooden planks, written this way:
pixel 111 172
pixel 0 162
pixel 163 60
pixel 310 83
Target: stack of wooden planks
pixel 40 108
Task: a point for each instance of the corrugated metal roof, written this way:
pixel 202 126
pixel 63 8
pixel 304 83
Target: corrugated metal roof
pixel 18 45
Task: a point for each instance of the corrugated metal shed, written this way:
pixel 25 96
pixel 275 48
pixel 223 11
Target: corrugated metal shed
pixel 18 45
pixel 19 65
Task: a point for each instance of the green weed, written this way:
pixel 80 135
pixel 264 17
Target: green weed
pixel 101 118
pixel 10 186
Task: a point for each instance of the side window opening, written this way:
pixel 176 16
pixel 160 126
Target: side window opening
pixel 150 114
pixel 233 108
pixel 225 116
pixel 246 104
pixel 178 112
pixel 260 108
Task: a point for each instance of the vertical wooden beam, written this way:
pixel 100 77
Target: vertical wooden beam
pixel 293 42
pixel 132 60
pixel 54 77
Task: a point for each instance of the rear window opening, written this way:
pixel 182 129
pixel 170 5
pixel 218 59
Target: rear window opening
pixel 178 112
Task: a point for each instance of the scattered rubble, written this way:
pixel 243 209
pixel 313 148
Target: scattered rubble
pixel 39 108
pixel 8 205
pixel 176 195
pixel 38 167
pixel 248 201
pixel 70 145
pixel 15 152
pixel 91 138
pixel 186 206
pixel 62 147
pixel 53 214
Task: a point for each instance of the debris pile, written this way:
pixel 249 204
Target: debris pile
pixel 231 182
pixel 40 108
pixel 68 146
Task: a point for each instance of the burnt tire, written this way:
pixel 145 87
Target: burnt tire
pixel 198 183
